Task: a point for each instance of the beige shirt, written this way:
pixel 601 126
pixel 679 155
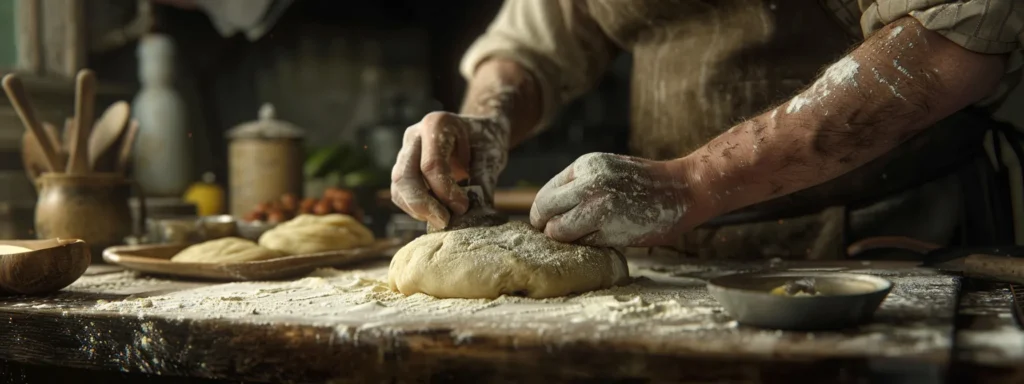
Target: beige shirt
pixel 567 61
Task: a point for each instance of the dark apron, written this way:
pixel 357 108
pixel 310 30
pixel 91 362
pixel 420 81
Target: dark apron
pixel 701 67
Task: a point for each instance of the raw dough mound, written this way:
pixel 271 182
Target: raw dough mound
pixel 225 250
pixel 510 259
pixel 311 234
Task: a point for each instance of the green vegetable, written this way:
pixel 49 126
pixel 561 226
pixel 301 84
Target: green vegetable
pixel 322 161
pixel 363 178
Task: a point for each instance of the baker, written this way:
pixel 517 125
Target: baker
pixel 851 116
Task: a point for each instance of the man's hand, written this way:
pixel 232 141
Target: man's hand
pixel 501 109
pixel 434 157
pixel 611 200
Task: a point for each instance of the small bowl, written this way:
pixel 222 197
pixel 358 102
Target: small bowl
pixel 216 227
pixel 846 300
pixel 49 266
pixel 173 230
pixel 252 230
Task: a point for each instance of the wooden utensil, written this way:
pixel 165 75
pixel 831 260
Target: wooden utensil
pixel 54 136
pixel 69 124
pixel 109 128
pixel 16 93
pixel 49 266
pixel 998 263
pixel 32 157
pixel 85 98
pixel 60 145
pixel 156 259
pixel 127 143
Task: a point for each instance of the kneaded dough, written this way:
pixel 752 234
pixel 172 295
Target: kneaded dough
pixel 510 259
pixel 225 250
pixel 312 233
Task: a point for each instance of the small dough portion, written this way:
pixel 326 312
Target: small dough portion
pixel 225 250
pixel 510 259
pixel 12 249
pixel 317 233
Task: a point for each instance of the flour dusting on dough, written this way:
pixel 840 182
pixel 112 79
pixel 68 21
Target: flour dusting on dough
pixel 513 258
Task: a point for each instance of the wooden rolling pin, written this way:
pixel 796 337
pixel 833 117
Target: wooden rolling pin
pixel 505 200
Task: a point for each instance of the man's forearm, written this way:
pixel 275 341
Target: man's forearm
pixel 504 89
pixel 897 83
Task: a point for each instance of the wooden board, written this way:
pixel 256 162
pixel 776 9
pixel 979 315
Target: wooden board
pixel 339 325
pixel 155 259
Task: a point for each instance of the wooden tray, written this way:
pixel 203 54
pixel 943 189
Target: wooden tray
pixel 155 259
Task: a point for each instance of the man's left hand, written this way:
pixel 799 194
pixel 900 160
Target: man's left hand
pixel 611 200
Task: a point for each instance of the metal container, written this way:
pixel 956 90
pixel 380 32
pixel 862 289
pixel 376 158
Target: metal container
pixel 264 161
pixel 846 300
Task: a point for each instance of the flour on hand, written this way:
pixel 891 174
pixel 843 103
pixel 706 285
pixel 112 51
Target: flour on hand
pixel 421 180
pixel 609 200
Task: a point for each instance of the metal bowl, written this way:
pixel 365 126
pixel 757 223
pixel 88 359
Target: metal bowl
pixel 216 227
pixel 252 230
pixel 845 300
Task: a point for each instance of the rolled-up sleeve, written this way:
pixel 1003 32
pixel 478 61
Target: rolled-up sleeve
pixel 983 26
pixel 556 40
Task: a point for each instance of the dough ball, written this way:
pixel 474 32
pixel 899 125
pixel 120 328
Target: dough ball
pixel 225 250
pixel 12 249
pixel 311 234
pixel 510 259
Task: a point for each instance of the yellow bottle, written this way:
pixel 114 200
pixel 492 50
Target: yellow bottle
pixel 207 195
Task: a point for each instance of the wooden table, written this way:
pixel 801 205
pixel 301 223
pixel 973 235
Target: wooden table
pixel 340 326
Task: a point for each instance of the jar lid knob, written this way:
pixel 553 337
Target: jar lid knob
pixel 267 111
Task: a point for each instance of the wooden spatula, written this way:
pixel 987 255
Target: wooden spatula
pixel 85 98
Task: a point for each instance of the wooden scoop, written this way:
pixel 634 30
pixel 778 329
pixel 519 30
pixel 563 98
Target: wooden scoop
pixel 16 93
pixel 41 266
pixel 105 134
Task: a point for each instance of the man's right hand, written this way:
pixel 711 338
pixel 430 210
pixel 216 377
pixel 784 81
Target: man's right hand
pixel 437 153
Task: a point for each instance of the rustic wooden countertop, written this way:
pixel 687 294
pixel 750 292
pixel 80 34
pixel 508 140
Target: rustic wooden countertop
pixel 345 326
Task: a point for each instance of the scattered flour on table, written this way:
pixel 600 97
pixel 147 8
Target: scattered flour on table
pixel 330 295
pixel 652 309
pixel 1002 344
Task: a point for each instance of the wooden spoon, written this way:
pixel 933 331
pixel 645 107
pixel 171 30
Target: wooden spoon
pixel 85 98
pixel 16 93
pixel 127 143
pixel 105 134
